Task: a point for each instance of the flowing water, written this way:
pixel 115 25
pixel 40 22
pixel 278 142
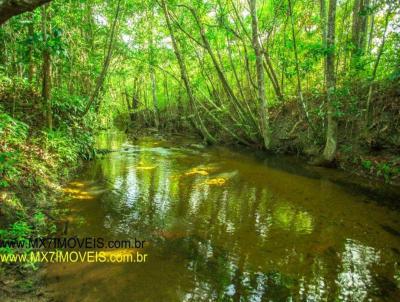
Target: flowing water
pixel 225 225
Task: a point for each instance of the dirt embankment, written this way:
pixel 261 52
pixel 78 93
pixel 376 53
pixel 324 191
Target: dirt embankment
pixel 369 147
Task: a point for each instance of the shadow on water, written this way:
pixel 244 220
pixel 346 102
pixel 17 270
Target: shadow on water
pixel 223 225
pixel 376 191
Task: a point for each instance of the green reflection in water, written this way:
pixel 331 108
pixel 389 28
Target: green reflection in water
pixel 291 220
pixel 222 226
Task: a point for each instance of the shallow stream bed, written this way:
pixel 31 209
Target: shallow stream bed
pixel 226 225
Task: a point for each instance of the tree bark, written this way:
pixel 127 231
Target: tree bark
pixel 331 134
pixel 46 71
pixel 262 100
pixel 299 88
pixel 152 72
pixel 107 60
pixel 10 8
pixel 376 64
pixel 359 28
pixel 206 135
pixel 322 12
pixel 31 32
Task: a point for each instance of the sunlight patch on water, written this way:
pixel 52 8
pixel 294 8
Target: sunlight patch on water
pixel 355 279
pixel 195 171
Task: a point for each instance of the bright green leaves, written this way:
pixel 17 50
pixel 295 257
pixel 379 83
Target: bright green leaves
pixel 12 133
pixel 8 171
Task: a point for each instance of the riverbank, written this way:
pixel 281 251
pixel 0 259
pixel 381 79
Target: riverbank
pixel 367 149
pixel 33 167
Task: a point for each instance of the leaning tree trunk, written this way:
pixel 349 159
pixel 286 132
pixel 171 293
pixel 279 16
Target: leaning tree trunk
pixel 331 134
pixel 184 75
pixel 296 56
pixel 10 8
pixel 106 64
pixel 376 64
pixel 46 71
pixel 262 100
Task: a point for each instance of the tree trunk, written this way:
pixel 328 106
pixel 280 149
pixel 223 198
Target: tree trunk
pixel 323 31
pixel 272 75
pixel 46 71
pixel 299 88
pixel 206 135
pixel 154 96
pixel 378 58
pixel 152 71
pixel 371 33
pixel 10 8
pixel 359 29
pixel 331 134
pixel 262 100
pixel 106 64
pixel 31 32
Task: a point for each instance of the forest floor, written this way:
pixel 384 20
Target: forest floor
pixel 31 189
pixel 34 165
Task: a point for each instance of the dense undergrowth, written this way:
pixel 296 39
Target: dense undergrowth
pixel 34 161
pixel 367 150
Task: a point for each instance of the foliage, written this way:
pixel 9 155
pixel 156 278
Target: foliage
pixel 386 169
pixel 12 132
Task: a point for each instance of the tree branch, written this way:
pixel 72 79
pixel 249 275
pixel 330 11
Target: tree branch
pixel 10 8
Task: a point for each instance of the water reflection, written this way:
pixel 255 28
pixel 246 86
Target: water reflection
pixel 224 227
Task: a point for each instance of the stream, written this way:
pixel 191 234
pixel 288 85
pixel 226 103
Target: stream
pixel 222 224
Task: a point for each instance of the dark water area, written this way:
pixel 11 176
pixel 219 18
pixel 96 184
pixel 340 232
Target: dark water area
pixel 228 225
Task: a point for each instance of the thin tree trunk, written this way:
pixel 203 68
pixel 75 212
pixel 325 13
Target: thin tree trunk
pixel 378 58
pixel 267 64
pixel 46 71
pixel 154 96
pixel 331 134
pixel 107 60
pixel 153 73
pixel 371 32
pixel 363 25
pixel 237 105
pixel 262 100
pixel 206 135
pixel 272 75
pixel 323 31
pixel 238 83
pixel 31 65
pixel 299 89
pixel 359 29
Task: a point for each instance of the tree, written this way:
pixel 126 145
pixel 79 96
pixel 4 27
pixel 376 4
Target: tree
pixel 262 101
pixel 10 8
pixel 106 64
pixel 184 75
pixel 331 133
pixel 46 69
